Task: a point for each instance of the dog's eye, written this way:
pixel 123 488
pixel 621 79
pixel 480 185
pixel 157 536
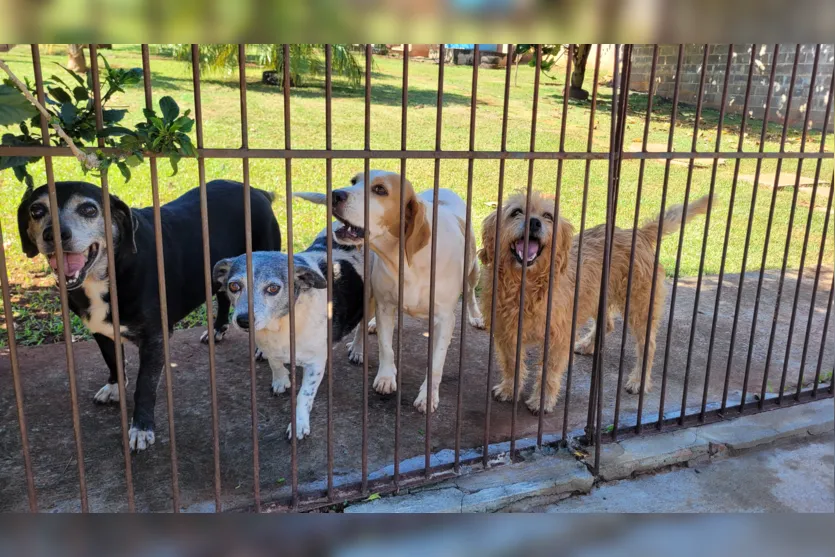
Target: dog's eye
pixel 273 289
pixel 353 181
pixel 37 211
pixel 379 190
pixel 234 286
pixel 549 217
pixel 88 210
pixel 515 212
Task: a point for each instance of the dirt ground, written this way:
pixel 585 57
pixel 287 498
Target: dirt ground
pixel 47 405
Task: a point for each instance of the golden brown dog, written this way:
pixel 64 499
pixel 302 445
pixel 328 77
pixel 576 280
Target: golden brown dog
pixel 512 256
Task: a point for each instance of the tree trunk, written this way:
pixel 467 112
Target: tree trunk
pixel 581 56
pixel 76 62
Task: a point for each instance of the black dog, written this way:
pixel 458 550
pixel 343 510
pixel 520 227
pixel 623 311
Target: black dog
pixel 85 267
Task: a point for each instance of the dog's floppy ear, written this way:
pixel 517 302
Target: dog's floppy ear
pixel 488 239
pixel 565 234
pixel 417 226
pixel 30 248
pixel 124 219
pixel 220 273
pixel 307 278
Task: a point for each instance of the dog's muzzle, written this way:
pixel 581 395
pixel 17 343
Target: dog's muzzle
pixel 76 265
pixel 527 256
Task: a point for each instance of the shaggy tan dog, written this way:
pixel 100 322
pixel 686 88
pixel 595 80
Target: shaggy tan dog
pixel 512 256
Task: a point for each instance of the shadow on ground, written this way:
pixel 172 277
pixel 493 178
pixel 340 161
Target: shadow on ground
pixel 48 412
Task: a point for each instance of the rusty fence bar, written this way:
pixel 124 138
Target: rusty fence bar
pixel 163 298
pixel 614 155
pixel 207 269
pixel 497 262
pixel 62 288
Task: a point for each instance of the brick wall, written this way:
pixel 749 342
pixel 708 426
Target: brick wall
pixel 717 60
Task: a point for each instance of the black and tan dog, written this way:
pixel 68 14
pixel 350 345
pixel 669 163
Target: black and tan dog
pixel 85 267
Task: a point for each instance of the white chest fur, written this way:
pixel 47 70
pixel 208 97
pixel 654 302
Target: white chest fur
pixel 99 310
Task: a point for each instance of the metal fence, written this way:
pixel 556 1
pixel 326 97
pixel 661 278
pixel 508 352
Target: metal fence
pixel 596 430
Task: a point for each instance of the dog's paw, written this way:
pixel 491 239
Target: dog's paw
pixel 533 404
pixel 420 401
pixel 219 334
pixel 633 385
pixel 503 392
pixel 584 348
pixel 372 326
pixel 107 394
pixel 259 355
pixel 302 428
pixel 477 322
pixel 140 439
pixel 385 384
pixel 355 354
pixel 280 385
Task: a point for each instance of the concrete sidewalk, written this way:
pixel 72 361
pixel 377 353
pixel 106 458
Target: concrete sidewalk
pixel 792 478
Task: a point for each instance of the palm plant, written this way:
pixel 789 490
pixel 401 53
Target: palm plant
pixel 306 60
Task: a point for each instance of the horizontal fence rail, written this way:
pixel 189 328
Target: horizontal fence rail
pixel 603 278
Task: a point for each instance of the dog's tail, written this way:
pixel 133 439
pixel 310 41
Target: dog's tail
pixel 673 217
pixel 313 197
pixel 268 194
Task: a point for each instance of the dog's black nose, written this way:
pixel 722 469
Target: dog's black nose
pixel 536 225
pixel 66 234
pixel 243 321
pixel 338 197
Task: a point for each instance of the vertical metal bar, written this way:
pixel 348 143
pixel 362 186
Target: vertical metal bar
pixel 768 237
pixel 465 278
pixel 163 297
pixel 256 468
pixel 400 258
pixel 689 182
pixel 520 321
pixel 635 225
pixel 808 228
pixel 589 145
pixel 113 291
pixel 766 114
pixel 650 313
pixel 485 458
pixel 823 339
pixel 207 268
pixel 618 118
pixel 18 388
pixel 720 281
pixel 366 262
pixel 291 276
pixel 705 237
pixel 549 304
pixel 329 250
pixel 433 261
pixel 62 286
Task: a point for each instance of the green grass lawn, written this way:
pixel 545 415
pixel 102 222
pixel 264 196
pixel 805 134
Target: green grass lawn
pixel 36 302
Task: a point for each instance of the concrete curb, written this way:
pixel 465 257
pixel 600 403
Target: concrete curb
pixel 552 475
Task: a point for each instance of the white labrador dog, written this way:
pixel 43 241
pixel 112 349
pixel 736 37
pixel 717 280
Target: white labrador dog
pixel 384 238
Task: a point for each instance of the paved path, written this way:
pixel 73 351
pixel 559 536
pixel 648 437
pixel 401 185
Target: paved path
pixel 792 478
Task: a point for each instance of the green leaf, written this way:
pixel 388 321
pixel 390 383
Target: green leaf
pixel 134 160
pixel 169 108
pixel 158 124
pixel 69 114
pixel 373 497
pixel 14 107
pixel 115 130
pixel 60 95
pixel 123 168
pixel 74 75
pixel 148 113
pixel 112 116
pixel 80 94
pixel 174 159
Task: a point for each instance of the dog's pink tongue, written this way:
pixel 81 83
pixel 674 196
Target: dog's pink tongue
pixel 73 263
pixel 533 248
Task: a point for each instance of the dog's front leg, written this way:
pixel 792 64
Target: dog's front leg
pixel 145 397
pixel 110 392
pixel 386 380
pixel 313 374
pixel 281 377
pixel 506 357
pixel 221 324
pixel 444 324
